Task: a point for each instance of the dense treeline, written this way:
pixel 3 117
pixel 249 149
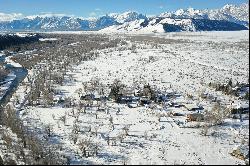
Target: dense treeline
pixel 27 148
pixel 10 40
pixel 50 61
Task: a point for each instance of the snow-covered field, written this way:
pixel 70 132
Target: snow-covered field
pixel 185 63
pixel 148 142
pixel 215 36
pixel 47 39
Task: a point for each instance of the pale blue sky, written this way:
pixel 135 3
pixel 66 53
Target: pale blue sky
pixel 87 8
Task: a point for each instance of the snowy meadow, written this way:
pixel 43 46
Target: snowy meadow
pixel 157 98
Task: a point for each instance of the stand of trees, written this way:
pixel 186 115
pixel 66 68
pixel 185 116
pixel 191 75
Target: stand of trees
pixel 9 40
pixel 27 148
pixel 3 73
pixel 50 60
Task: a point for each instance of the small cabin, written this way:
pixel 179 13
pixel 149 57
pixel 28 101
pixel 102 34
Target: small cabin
pixel 127 99
pixel 177 114
pixel 100 98
pixel 161 98
pixel 59 99
pixel 145 100
pixel 240 109
pixel 193 107
pixel 88 97
pixel 195 117
pixel 124 99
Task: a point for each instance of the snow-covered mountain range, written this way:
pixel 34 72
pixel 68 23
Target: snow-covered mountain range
pixel 229 17
pixel 232 13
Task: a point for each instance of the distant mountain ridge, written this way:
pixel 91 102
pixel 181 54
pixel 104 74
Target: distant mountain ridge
pixel 46 23
pixel 237 14
pixel 230 17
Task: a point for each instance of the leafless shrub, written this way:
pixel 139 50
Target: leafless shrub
pixel 74 136
pixel 7 138
pixel 49 130
pixel 126 130
pixel 204 130
pixel 84 144
pixel 63 119
pixel 216 115
pixel 146 135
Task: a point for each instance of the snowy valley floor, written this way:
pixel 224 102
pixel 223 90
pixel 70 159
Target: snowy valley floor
pixel 184 63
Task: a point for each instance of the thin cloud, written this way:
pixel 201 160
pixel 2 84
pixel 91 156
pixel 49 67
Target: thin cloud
pixel 10 17
pixel 161 7
pixel 98 9
pixel 92 14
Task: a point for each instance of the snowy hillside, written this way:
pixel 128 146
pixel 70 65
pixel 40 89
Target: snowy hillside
pixel 233 13
pixel 160 25
pixel 228 18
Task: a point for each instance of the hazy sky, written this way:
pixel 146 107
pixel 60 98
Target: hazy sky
pixel 93 8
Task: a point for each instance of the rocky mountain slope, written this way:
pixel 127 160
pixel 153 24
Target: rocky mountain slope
pixel 229 17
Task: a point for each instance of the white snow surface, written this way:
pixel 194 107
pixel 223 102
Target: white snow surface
pixel 188 66
pixel 8 60
pixel 48 39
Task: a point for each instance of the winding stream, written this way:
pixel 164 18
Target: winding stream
pixel 20 73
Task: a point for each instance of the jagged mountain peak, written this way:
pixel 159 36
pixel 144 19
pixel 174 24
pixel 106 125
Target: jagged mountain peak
pixel 50 15
pixel 228 6
pixel 233 13
pixel 183 13
pixel 127 16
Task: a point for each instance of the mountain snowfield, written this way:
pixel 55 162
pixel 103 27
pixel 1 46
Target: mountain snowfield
pixel 229 17
pixel 127 16
pixel 233 13
pixel 184 20
pixel 153 26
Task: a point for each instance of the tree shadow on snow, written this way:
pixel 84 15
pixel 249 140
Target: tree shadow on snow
pixel 110 157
